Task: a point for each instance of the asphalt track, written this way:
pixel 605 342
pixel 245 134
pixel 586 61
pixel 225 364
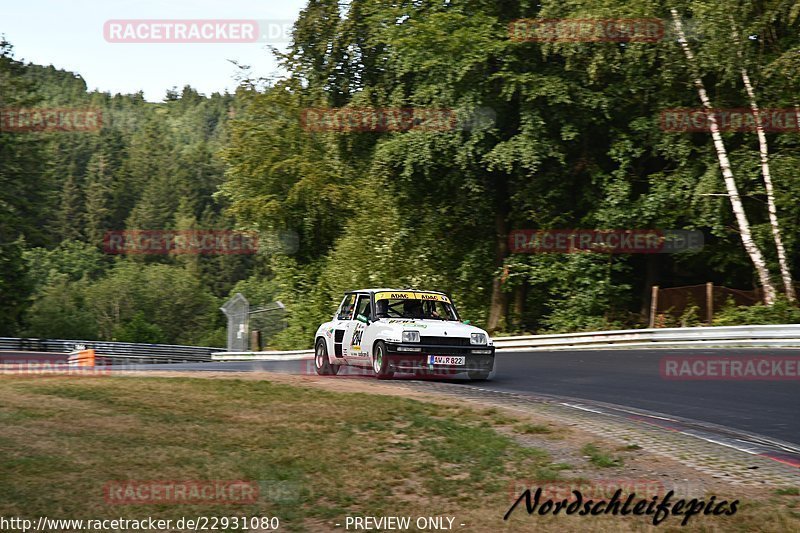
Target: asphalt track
pixel 632 378
pixel 629 378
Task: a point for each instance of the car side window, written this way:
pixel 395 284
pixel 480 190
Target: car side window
pixel 363 305
pixel 346 309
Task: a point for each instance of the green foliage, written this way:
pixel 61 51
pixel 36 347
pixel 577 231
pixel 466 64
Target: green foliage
pixel 572 140
pixel 74 259
pixel 20 195
pixel 217 338
pixel 782 312
pixel 171 297
pixel 155 303
pixel 582 291
pixel 14 286
pixel 60 311
pixel 138 329
pixel 259 290
pixel 150 166
pixel 691 317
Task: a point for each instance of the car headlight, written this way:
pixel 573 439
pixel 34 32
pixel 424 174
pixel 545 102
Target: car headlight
pixel 477 338
pixel 411 336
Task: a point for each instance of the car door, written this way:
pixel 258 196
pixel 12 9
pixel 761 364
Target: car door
pixel 354 352
pixel 344 315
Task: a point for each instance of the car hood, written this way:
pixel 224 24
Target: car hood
pixel 433 328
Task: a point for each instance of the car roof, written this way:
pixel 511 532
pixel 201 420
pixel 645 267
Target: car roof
pixel 395 290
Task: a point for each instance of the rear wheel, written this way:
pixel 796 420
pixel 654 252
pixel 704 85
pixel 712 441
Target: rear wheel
pixel 380 363
pixel 321 362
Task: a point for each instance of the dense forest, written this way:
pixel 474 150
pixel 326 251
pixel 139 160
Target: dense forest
pixel 150 166
pixel 571 137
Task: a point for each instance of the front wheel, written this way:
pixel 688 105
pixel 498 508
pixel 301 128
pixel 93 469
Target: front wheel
pixel 380 363
pixel 321 362
pixel 476 375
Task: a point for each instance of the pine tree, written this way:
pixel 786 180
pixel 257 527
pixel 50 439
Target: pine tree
pixel 98 209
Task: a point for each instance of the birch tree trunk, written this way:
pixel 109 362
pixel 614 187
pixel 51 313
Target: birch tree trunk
pixel 786 274
pixel 750 246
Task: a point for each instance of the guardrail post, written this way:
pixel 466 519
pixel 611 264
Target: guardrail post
pixel 709 302
pixel 255 340
pixel 653 306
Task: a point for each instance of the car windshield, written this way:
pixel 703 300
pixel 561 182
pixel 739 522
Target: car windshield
pixel 415 306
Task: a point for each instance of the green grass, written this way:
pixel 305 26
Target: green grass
pixel 529 429
pixel 599 458
pixel 317 455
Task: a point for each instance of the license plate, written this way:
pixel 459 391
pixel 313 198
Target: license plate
pixel 455 360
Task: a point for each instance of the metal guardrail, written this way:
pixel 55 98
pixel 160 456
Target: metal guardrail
pixel 115 353
pixel 776 336
pixel 781 335
pixel 270 355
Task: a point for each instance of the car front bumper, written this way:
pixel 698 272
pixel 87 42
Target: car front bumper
pixel 477 359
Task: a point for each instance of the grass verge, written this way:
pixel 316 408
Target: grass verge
pixel 317 456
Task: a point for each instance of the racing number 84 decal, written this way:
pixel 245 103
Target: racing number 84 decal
pixel 357 334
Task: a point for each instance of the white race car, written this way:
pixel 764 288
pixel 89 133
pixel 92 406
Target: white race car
pixel 404 331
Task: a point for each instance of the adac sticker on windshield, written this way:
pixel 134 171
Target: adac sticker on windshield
pixel 411 295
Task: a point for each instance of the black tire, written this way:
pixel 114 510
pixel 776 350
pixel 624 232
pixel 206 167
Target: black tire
pixel 380 363
pixel 321 362
pixel 478 376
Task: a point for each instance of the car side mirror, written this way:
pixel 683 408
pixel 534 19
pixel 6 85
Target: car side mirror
pixel 467 322
pixel 362 318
